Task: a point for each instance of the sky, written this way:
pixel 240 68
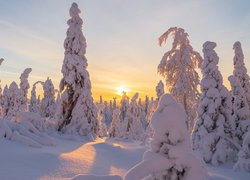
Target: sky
pixel 121 36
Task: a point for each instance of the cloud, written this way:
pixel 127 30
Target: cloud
pixel 24 42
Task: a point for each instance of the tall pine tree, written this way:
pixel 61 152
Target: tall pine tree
pixel 79 111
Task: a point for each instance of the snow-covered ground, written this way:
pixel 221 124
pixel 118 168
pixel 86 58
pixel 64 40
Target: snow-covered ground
pixel 68 158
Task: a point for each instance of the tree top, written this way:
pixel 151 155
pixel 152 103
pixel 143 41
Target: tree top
pixel 74 11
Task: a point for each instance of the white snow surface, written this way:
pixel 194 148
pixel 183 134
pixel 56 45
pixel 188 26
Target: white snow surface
pixel 80 160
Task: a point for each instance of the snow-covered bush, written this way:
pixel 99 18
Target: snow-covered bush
pixel 209 132
pixel 24 87
pixel 79 113
pixel 240 70
pixel 243 162
pixel 170 155
pixel 48 103
pixel 178 67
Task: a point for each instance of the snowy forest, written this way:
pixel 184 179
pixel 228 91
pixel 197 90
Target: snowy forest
pixel 195 127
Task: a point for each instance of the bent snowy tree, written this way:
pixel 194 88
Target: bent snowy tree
pixel 79 113
pixel 178 66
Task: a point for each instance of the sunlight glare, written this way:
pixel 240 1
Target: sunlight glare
pixel 121 89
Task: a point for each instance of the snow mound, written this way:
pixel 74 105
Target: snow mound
pixel 28 129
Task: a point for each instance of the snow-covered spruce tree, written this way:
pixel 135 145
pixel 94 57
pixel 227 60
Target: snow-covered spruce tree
pixel 170 155
pixel 152 107
pixel 79 110
pixel 39 100
pixel 240 70
pixel 34 105
pixel 114 130
pixel 159 89
pixel 107 114
pixel 111 106
pixel 101 121
pixel 48 104
pixel 178 67
pixel 146 103
pixel 142 114
pixel 241 112
pixel 58 97
pixel 58 110
pixel 1 100
pixel 243 162
pixel 1 95
pixel 33 100
pixel 124 103
pixel 132 126
pixel 5 101
pixel 1 61
pixel 100 101
pixel 210 128
pixel 24 87
pixel 15 101
pixel 114 103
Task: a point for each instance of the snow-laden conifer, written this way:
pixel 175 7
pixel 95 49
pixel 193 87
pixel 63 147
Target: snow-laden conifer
pixel 170 155
pixel 48 104
pixel 15 99
pixel 240 70
pixel 101 121
pixel 124 104
pixel 79 110
pixel 24 87
pixel 33 100
pixel 5 101
pixel 1 93
pixel 107 114
pixel 243 162
pixel 178 67
pixel 241 111
pixel 114 130
pixel 209 131
pixel 132 126
pixel 159 89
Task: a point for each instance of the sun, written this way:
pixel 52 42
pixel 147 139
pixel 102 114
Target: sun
pixel 121 89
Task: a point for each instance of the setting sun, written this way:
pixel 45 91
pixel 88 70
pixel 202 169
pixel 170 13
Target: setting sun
pixel 121 89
